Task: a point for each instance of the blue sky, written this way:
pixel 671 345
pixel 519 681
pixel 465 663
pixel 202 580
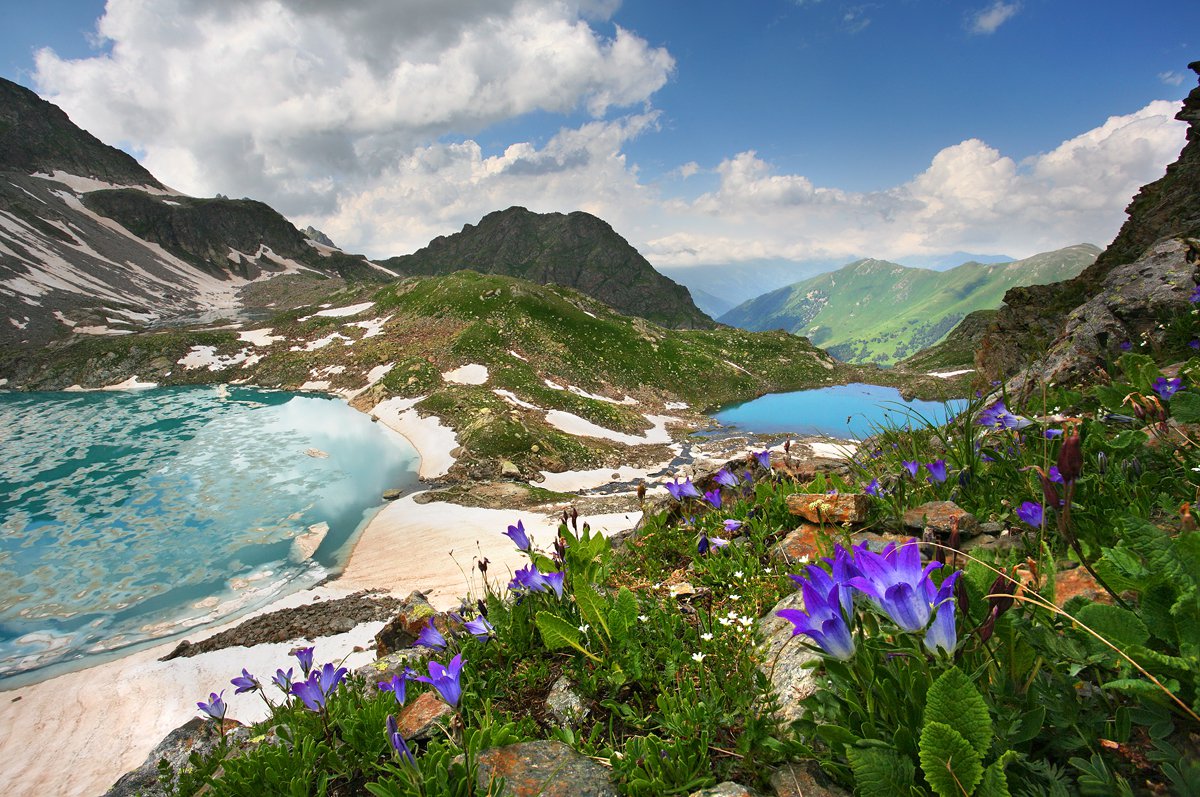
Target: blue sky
pixel 705 132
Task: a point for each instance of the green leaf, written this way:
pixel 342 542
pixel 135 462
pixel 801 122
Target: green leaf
pixel 593 608
pixel 880 773
pixel 1140 370
pixel 1185 406
pixel 558 633
pixel 994 782
pixel 623 615
pixel 954 701
pixel 1116 624
pixel 1031 725
pixel 951 766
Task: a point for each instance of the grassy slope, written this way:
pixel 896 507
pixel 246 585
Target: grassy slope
pixel 876 311
pixel 436 324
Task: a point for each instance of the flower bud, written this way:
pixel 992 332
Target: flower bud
pixel 1070 456
pixel 1101 463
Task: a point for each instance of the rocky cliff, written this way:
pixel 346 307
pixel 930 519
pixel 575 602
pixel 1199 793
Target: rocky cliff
pixel 576 250
pixel 1065 330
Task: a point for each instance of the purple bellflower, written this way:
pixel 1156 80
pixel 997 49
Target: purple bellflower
pixel 937 471
pixel 732 525
pixel 725 478
pixel 397 686
pixel 822 619
pixel 681 491
pixel 446 680
pixel 1031 513
pixel 283 680
pixel 942 634
pixel 1194 343
pixel 430 637
pixel 714 498
pixel 305 657
pixel 555 581
pixel 1195 297
pixel 1165 388
pixel 482 630
pixel 997 416
pixel 874 489
pixel 1051 434
pixel 245 683
pixel 912 466
pixel 519 537
pixel 895 582
pixel 215 707
pixel 1125 345
pixel 397 741
pixel 528 579
pixel 763 458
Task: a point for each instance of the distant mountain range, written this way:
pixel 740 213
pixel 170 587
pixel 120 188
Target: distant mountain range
pixel 881 312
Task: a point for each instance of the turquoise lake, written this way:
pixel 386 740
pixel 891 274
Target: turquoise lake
pixel 852 411
pixel 131 516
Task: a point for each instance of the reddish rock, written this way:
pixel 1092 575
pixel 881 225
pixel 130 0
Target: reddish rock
pixel 424 717
pixel 939 516
pixel 821 508
pixel 801 545
pixel 545 769
pixel 1078 581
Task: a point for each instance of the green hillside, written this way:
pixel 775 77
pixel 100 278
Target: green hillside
pixel 881 312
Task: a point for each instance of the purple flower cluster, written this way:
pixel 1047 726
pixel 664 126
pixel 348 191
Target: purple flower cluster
pixel 997 416
pixel 529 579
pixel 319 685
pixel 446 680
pixel 894 581
pixel 681 491
pixel 1165 388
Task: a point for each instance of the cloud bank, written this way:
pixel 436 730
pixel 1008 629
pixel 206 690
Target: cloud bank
pixel 377 121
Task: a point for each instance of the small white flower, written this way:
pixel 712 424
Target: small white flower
pixel 706 636
pixel 643 618
pixel 583 629
pixel 697 657
pixel 731 614
pixel 768 570
pixel 724 620
pixel 802 560
pixel 739 574
pixel 746 621
pixel 735 597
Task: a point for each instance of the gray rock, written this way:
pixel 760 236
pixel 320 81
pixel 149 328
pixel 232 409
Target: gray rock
pixel 783 660
pixel 197 735
pixel 565 704
pixel 939 516
pixel 392 494
pixel 545 769
pixel 726 789
pixel 800 780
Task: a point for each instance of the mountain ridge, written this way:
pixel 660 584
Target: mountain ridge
pixel 879 311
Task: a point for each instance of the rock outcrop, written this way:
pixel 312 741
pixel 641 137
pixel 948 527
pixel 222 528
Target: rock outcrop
pixel 1039 319
pixel 576 249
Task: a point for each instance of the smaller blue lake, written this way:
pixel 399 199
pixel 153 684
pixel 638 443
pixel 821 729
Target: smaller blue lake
pixel 853 411
pixel 130 516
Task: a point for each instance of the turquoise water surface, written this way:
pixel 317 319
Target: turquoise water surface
pixel 843 411
pixel 130 516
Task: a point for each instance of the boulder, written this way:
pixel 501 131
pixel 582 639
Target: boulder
pixel 424 717
pixel 800 780
pixel 402 630
pixel 782 660
pixel 197 735
pixel 824 508
pixel 726 789
pixel 939 517
pixel 565 704
pixel 800 546
pixel 545 769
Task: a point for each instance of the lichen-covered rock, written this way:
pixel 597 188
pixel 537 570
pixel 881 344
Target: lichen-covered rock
pixel 821 508
pixel 403 629
pixel 424 717
pixel 940 517
pixel 801 546
pixel 545 769
pixel 197 735
pixel 726 789
pixel 783 660
pixel 382 669
pixel 565 704
pixel 798 780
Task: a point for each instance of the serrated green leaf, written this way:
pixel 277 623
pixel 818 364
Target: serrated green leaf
pixel 954 701
pixel 1185 406
pixel 557 633
pixel 1140 370
pixel 951 766
pixel 994 782
pixel 1116 624
pixel 623 615
pixel 593 608
pixel 880 773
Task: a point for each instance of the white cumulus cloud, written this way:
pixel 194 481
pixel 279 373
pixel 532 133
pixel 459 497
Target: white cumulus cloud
pixel 986 21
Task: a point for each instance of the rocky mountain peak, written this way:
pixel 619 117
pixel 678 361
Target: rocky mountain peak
pixel 576 250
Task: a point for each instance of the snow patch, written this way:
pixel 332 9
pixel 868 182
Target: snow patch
pixel 948 374
pixel 321 384
pixel 553 385
pixel 676 405
pixel 260 337
pixel 85 184
pixel 433 441
pixel 581 392
pixel 102 330
pixel 339 312
pixel 580 427
pixel 207 357
pixel 321 343
pixel 131 383
pixel 512 399
pixel 472 374
pixel 519 357
pixel 373 327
